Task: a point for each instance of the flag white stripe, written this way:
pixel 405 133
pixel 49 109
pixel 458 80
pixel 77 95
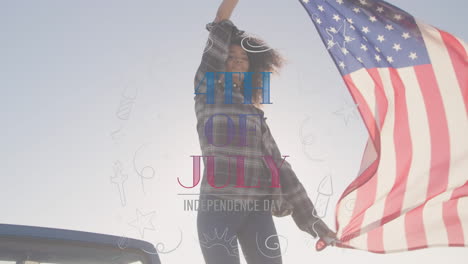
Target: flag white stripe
pixel 359 242
pixel 434 226
pixel 392 235
pixel 366 86
pixel 345 211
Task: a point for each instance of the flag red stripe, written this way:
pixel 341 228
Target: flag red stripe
pixel 368 173
pixel 451 217
pixel 403 150
pixel 381 99
pixel 414 229
pixel 459 59
pixel 375 240
pixel 452 222
pixel 366 194
pixel 364 109
pixel 364 199
pixel 438 126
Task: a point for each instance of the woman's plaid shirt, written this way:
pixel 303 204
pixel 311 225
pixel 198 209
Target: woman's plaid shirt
pixel 292 196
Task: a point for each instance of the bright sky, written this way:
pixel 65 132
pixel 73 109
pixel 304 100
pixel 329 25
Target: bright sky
pixel 94 88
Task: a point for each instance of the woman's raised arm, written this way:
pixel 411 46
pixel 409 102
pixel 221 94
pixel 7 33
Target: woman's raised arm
pixel 217 46
pixel 225 10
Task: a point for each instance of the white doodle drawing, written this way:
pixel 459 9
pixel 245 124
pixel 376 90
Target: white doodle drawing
pixel 348 111
pixel 143 222
pixel 324 194
pixel 311 146
pixel 275 247
pixel 127 100
pixel 246 40
pixel 119 179
pixel 160 247
pixel 145 173
pixel 222 241
pixel 117 135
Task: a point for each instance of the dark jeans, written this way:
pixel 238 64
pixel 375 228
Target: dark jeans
pixel 220 230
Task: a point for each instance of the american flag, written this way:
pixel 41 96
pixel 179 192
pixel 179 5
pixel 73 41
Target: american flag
pixel 410 81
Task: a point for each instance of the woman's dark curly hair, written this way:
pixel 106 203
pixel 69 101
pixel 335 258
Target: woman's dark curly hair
pixel 262 58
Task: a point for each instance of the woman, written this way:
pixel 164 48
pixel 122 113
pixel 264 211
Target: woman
pixel 223 125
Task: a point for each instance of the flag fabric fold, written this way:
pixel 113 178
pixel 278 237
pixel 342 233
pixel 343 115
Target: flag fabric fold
pixel 410 82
